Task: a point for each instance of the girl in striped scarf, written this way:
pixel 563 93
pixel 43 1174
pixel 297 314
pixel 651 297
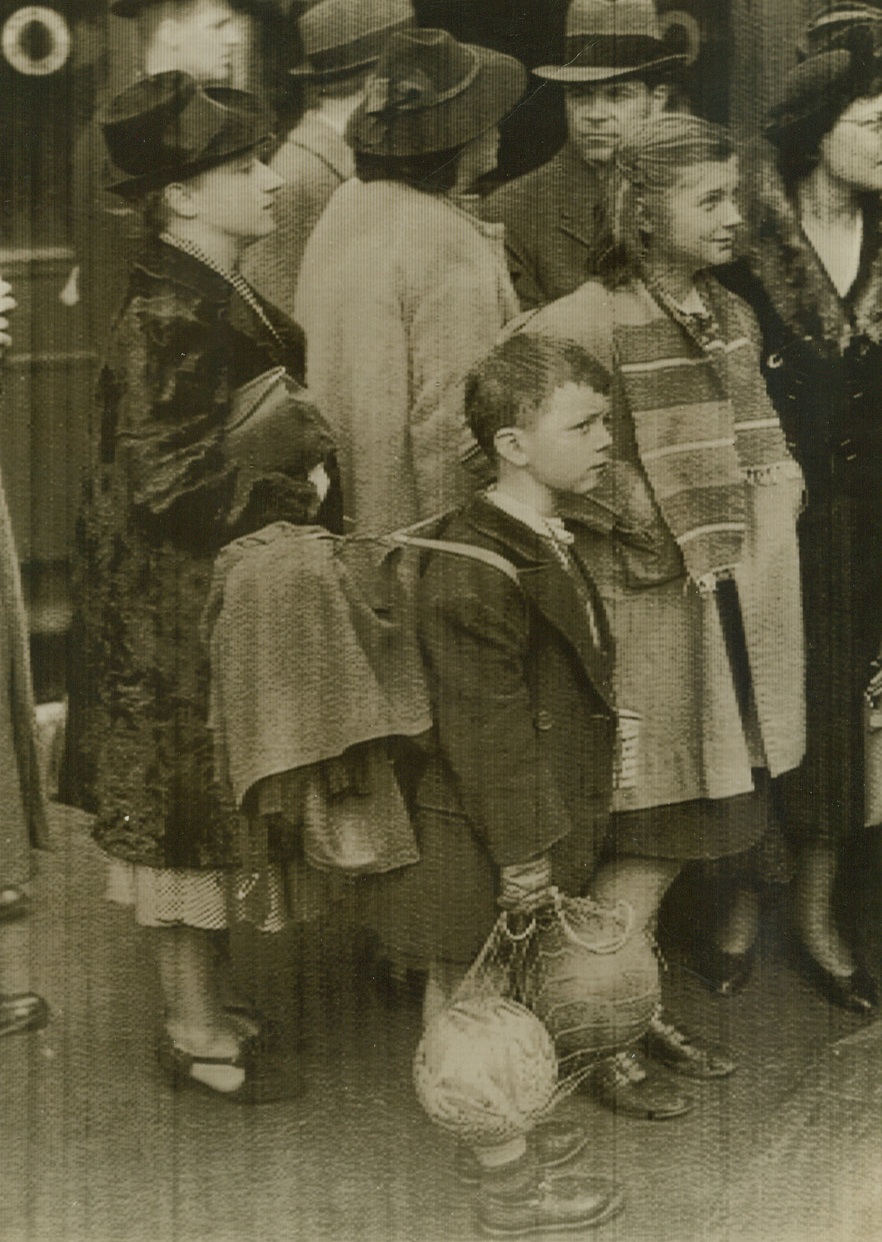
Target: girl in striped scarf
pixel 708 634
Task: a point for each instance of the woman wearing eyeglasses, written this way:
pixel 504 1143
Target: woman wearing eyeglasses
pixel 814 276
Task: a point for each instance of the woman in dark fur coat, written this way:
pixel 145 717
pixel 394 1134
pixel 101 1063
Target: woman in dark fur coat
pixel 166 493
pixel 814 277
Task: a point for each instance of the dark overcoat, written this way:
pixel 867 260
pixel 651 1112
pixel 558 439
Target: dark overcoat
pixel 823 364
pixel 522 697
pixel 555 230
pixel 163 497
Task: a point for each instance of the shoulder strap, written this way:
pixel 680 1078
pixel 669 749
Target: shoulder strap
pixel 484 555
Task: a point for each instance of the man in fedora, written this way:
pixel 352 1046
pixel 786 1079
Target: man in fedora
pixel 615 76
pixel 342 42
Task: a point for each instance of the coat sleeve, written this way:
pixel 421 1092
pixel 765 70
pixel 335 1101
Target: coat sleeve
pixel 524 274
pixel 165 401
pixel 452 324
pixel 506 207
pixel 474 629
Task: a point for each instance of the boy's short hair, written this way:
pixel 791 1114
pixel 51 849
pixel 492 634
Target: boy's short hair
pixel 512 384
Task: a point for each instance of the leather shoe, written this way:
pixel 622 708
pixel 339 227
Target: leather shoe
pixel 724 973
pixel 623 1085
pixel 523 1201
pixel 551 1144
pixel 265 1081
pixel 683 1054
pixel 25 1011
pixel 14 904
pixel 857 992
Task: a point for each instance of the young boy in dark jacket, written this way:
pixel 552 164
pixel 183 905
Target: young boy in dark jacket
pixel 519 656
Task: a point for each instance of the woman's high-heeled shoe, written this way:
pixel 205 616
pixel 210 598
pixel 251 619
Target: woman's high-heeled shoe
pixel 266 1081
pixel 14 904
pixel 724 973
pixel 857 992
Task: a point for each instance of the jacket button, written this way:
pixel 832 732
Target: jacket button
pixel 544 721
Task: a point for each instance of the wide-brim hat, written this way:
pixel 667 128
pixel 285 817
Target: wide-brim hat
pixel 611 39
pixel 168 128
pixel 430 93
pixel 825 31
pixel 342 37
pixel 825 83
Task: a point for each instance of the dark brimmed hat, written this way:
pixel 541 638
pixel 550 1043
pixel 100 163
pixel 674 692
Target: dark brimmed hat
pixel 342 37
pixel 824 84
pixel 168 128
pixel 824 29
pixel 610 39
pixel 431 93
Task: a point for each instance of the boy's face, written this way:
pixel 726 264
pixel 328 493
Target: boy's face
pixel 569 440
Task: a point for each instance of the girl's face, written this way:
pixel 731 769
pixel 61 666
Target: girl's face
pixel 236 198
pixel 852 151
pixel 692 224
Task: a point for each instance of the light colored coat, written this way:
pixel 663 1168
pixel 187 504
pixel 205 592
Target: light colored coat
pixel 672 665
pixel 401 292
pixel 314 160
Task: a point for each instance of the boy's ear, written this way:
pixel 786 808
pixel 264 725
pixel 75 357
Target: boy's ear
pixel 509 446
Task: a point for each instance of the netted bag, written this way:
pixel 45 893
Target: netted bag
pixel 593 979
pixel 485 1069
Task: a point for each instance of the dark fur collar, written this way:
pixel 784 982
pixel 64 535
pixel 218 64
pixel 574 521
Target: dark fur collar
pixel 792 274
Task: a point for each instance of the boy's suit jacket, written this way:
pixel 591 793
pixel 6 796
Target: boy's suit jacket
pixel 522 698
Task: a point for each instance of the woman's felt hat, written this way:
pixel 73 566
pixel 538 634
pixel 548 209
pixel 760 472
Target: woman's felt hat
pixel 168 128
pixel 342 37
pixel 430 92
pixel 826 26
pixel 822 86
pixel 611 39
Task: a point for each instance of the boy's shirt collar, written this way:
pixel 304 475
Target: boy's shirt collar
pixel 548 527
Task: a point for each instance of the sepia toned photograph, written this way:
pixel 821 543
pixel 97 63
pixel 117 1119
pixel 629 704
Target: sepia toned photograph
pixel 441 620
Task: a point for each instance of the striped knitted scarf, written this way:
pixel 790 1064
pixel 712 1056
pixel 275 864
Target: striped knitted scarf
pixel 704 426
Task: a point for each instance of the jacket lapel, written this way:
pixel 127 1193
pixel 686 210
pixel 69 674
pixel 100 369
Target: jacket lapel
pixel 552 591
pixel 577 192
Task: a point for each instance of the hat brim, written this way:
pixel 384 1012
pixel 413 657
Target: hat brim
pixel 500 83
pixel 306 73
pixel 136 187
pixel 605 73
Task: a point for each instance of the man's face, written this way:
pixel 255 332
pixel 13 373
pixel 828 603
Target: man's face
pixel 205 39
pixel 569 441
pixel 601 114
